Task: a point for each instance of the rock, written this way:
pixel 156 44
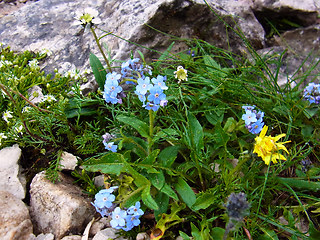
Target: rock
pixel 68 161
pixel 48 236
pixel 99 181
pixel 9 172
pixel 143 236
pixel 108 233
pixel 42 28
pixel 73 237
pixel 302 48
pixel 15 222
pixel 59 208
pixel 303 13
pixel 97 226
pixel 183 19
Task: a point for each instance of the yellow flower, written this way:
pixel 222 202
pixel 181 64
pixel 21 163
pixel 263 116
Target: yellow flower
pixel 267 147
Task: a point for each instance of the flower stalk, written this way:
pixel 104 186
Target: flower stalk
pixel 100 48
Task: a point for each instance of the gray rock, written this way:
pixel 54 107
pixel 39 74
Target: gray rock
pixel 302 48
pixel 15 222
pixel 143 236
pixel 9 172
pixel 48 236
pixel 97 226
pixel 108 233
pixel 73 237
pixel 304 13
pixel 68 161
pixel 48 24
pixel 59 208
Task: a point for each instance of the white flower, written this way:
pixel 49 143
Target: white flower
pixel 5 63
pixel 26 109
pixel 87 16
pixel 49 98
pixel 181 74
pixel 34 63
pixel 6 115
pixel 2 136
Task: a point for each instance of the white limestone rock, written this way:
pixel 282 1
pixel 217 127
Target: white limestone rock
pixel 68 161
pixel 59 208
pixel 15 222
pixel 9 172
pixel 108 233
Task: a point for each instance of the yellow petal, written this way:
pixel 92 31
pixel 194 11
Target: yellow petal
pixel 263 131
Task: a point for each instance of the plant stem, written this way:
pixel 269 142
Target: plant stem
pixel 100 48
pixel 264 186
pixel 151 123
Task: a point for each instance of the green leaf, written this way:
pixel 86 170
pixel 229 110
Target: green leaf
pixel 204 200
pixel 268 235
pixel 132 198
pixel 98 70
pixel 75 108
pixel 306 131
pixel 215 116
pixel 217 233
pixel 140 126
pixel 151 158
pixel 300 184
pixel 185 192
pixel 168 155
pixel 110 163
pixel 169 191
pixel 310 112
pixel 195 232
pixel 184 236
pixel 195 132
pixel 157 179
pixel 163 201
pixel 314 233
pixel 148 200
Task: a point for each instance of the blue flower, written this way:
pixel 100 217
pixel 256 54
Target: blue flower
pixel 112 88
pixel 135 210
pixel 143 85
pixel 152 106
pixel 253 119
pixel 249 117
pixel 104 198
pixel 110 146
pixel 256 127
pixel 131 222
pixel 118 218
pixel 133 69
pixel 312 93
pixel 160 81
pixel 156 95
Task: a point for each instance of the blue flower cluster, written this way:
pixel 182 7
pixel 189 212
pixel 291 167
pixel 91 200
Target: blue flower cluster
pixel 149 91
pixel 253 119
pixel 113 93
pixel 133 69
pixel 312 93
pixel 103 201
pixel 121 219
